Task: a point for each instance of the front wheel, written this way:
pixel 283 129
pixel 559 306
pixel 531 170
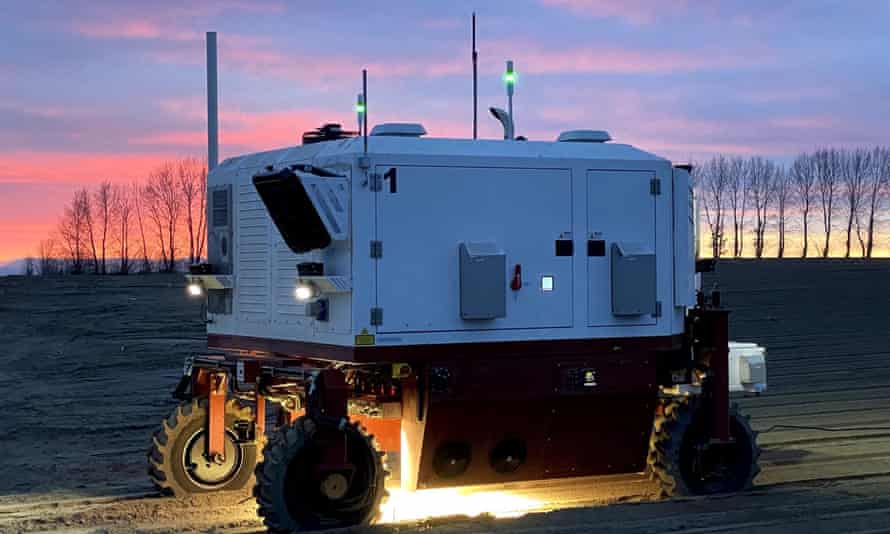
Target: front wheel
pixel 177 464
pixel 684 463
pixel 295 491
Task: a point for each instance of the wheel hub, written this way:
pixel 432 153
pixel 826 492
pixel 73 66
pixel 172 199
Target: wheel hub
pixel 334 486
pixel 207 471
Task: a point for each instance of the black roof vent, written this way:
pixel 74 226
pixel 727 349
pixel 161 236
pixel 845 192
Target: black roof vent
pixel 328 132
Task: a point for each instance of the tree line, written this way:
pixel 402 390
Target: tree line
pixel 149 225
pixel 154 223
pixel 823 193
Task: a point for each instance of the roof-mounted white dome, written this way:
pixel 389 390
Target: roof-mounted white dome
pixel 584 136
pixel 399 129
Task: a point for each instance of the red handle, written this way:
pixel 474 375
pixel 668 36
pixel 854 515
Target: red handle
pixel 516 283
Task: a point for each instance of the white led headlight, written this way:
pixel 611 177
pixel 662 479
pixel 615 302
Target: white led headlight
pixel 305 291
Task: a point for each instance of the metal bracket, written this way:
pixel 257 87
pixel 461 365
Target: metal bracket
pixel 377 249
pixel 376 316
pixel 376 182
pixel 655 186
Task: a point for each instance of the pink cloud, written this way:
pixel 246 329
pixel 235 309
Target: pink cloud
pixel 133 29
pixel 814 122
pixel 263 57
pixel 638 12
pixel 166 24
pixel 24 166
pixel 614 60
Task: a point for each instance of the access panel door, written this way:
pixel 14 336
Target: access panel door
pixel 620 218
pixel 433 220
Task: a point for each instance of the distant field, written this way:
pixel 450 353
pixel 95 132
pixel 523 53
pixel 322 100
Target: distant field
pixel 88 363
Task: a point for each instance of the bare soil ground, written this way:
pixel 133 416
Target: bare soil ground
pixel 87 366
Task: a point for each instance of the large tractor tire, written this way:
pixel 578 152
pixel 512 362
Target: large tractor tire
pixel 684 464
pixel 176 461
pixel 292 495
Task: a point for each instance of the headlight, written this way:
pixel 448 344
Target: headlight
pixel 195 289
pixel 305 291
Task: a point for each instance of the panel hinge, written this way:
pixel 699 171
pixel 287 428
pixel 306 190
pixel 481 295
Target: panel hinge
pixel 655 186
pixel 376 181
pixel 376 316
pixel 657 309
pixel 376 249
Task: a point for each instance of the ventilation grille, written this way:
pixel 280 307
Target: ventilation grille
pixel 253 254
pixel 220 208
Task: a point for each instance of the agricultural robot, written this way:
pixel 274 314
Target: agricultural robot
pixel 493 310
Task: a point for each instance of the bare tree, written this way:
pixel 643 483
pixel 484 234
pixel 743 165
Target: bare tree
pixel 154 212
pixel 46 254
pixel 738 200
pixel 761 175
pixel 854 166
pixel 122 210
pixel 783 196
pixel 164 206
pixel 711 180
pixel 92 231
pixel 803 175
pixel 827 165
pixel 73 230
pixel 30 266
pixel 878 182
pixel 192 175
pixel 102 204
pixel 138 195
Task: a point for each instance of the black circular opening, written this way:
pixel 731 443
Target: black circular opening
pixel 452 459
pixel 508 455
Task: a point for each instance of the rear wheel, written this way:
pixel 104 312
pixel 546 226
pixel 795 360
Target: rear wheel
pixel 684 462
pixel 295 492
pixel 177 464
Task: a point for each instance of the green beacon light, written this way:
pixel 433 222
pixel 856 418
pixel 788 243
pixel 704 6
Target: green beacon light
pixel 510 75
pixel 360 110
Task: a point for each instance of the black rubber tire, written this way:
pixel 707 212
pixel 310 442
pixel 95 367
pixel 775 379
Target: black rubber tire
pixel 287 506
pixel 672 452
pixel 168 445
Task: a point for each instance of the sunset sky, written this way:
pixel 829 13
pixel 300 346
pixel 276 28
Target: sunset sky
pixel 106 90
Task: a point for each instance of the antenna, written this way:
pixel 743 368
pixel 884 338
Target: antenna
pixel 360 110
pixel 475 82
pixel 365 105
pixel 510 82
pixel 212 105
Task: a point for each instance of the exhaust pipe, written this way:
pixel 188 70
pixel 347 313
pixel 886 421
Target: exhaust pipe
pixel 212 105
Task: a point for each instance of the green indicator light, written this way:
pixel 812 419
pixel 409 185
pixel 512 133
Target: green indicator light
pixel 359 108
pixel 510 77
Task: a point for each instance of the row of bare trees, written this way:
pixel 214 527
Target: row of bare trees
pixel 846 188
pixel 122 228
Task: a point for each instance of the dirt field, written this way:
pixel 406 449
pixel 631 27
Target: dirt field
pixel 87 366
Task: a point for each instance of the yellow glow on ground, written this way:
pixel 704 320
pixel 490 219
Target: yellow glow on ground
pixel 426 504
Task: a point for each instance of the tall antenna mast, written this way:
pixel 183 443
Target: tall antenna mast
pixel 510 82
pixel 475 82
pixel 365 107
pixel 212 106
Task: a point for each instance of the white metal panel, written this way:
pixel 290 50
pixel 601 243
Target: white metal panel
pixel 284 281
pixel 434 209
pixel 620 208
pixel 684 239
pixel 253 265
